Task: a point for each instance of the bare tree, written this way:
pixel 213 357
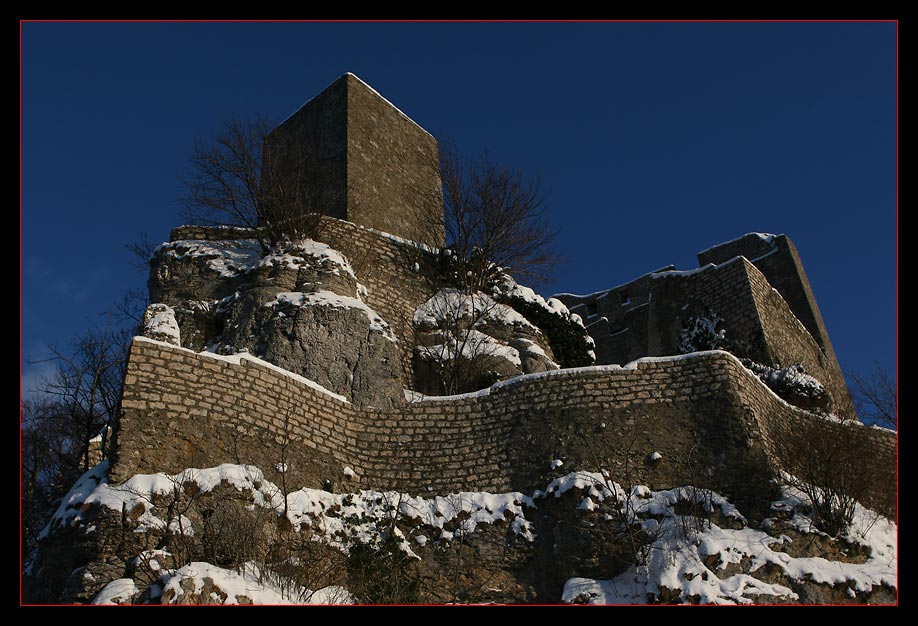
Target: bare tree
pixel 493 219
pixel 876 397
pixel 84 391
pixel 240 178
pixel 50 462
pixel 455 356
pixel 62 426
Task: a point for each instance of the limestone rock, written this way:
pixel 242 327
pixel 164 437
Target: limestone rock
pixel 159 323
pixel 337 341
pixel 193 270
pixel 298 307
pixel 467 342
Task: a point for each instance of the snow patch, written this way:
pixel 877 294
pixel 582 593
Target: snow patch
pixel 693 564
pixel 228 258
pixel 247 584
pixel 119 591
pixel 292 254
pixel 329 299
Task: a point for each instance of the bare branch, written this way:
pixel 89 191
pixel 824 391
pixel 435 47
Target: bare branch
pixel 876 397
pixel 241 178
pixel 493 219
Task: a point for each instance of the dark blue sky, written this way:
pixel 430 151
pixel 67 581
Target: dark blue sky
pixel 654 141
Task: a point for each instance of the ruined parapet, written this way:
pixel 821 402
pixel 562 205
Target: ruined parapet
pixel 753 289
pixel 777 258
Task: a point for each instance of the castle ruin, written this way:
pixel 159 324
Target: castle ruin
pixel 217 411
pixel 304 361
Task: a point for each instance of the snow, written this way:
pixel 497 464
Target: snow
pixel 330 299
pixel 237 359
pixel 310 507
pixel 473 344
pixel 229 258
pixel 655 456
pixel 247 584
pixel 510 288
pixel 686 554
pixel 602 293
pixel 104 433
pixel 555 464
pixel 691 557
pixel 119 591
pixel 401 240
pixel 232 257
pixel 163 323
pixel 683 273
pixel 292 254
pixel 768 238
pixel 449 305
pixel 535 349
pixel 348 472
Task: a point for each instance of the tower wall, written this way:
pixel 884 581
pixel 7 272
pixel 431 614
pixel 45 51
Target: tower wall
pixel 375 166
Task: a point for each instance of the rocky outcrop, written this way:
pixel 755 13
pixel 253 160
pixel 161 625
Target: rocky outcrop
pixel 336 341
pixel 228 535
pixel 298 307
pixel 467 342
pixel 159 324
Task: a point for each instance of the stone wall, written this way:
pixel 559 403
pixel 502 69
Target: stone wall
pixel 711 420
pixel 393 171
pixel 755 317
pixel 776 257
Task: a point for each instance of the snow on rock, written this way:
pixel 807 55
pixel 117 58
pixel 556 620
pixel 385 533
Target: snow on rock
pixel 203 583
pixel 348 472
pixel 655 456
pixel 715 558
pixel 449 305
pixel 327 298
pixel 490 339
pixel 310 507
pixel 471 345
pixel 292 254
pixel 159 324
pixel 510 288
pixel 694 566
pixel 119 591
pixel 556 463
pixel 228 258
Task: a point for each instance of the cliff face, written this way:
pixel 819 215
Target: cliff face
pixel 298 307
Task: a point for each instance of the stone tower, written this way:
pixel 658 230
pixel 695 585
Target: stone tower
pixel 376 167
